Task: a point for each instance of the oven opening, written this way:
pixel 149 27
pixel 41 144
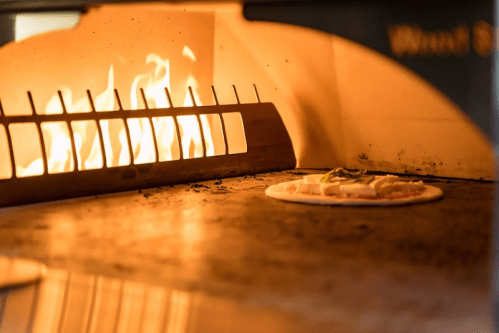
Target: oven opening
pixel 185 113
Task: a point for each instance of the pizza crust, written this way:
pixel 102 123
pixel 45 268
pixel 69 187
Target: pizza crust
pixel 279 192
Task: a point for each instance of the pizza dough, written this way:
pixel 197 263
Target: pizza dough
pixel 346 188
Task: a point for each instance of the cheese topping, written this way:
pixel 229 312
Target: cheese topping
pixel 340 182
pixel 308 188
pixel 358 189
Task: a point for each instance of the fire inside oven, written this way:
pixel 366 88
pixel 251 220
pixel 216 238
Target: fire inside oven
pixel 110 140
pixel 154 149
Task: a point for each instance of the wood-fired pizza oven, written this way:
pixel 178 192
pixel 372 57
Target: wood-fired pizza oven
pixel 160 124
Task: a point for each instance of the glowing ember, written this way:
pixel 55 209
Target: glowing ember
pixel 87 144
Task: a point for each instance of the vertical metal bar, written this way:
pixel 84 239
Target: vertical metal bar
pixel 256 93
pixel 127 129
pixel 70 129
pixel 118 100
pixel 11 152
pixel 32 104
pixel 235 93
pixel 192 96
pixel 237 96
pixel 99 131
pixel 144 98
pixel 169 97
pixel 154 139
pixel 153 131
pixel 198 117
pixel 214 95
pixel 175 121
pixel 221 122
pixel 224 133
pixel 9 142
pixel 40 134
pixel 179 137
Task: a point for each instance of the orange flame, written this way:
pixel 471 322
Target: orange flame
pixel 86 138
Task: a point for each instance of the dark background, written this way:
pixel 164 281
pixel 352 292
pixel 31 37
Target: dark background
pixel 467 80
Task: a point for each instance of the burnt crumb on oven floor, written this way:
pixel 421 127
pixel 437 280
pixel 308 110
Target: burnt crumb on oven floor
pixel 226 237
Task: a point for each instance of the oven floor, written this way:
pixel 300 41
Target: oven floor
pixel 417 268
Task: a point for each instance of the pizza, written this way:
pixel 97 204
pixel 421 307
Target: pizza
pixel 354 188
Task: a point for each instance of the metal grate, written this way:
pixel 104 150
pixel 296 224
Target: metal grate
pixel 268 144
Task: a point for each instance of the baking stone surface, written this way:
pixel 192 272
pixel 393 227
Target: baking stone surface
pixel 278 192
